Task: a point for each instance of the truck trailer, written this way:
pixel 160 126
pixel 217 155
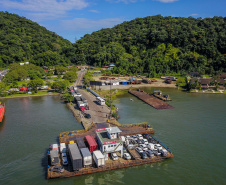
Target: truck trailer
pixel 75 155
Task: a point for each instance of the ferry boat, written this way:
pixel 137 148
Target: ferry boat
pixel 2 111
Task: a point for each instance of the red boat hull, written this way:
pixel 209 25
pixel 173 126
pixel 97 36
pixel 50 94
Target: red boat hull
pixel 2 112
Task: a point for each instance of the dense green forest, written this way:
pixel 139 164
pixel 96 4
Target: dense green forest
pixel 22 40
pixel 152 45
pixel 158 45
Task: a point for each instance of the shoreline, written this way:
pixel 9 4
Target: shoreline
pixel 163 85
pixel 12 97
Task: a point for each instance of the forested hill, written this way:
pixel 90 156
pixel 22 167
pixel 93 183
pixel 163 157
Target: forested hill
pixel 158 45
pixel 22 40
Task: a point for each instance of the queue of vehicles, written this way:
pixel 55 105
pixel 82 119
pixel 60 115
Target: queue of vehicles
pixel 81 101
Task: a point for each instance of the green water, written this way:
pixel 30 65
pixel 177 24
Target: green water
pixel 194 130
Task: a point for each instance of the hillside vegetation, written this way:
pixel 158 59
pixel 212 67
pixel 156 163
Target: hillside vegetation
pixel 22 40
pixel 158 45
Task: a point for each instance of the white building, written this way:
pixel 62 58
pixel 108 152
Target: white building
pixel 109 141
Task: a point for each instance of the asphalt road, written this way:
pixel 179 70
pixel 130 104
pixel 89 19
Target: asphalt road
pixel 98 112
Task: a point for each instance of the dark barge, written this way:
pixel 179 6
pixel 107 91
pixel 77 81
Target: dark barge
pixel 110 165
pixel 151 100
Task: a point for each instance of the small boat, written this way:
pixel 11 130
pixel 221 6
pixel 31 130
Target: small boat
pixel 2 111
pixel 158 94
pixel 131 99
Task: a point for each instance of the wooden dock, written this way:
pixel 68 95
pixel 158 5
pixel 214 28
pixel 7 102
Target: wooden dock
pixel 151 100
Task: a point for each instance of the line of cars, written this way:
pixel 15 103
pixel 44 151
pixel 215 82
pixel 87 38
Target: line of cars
pixel 145 145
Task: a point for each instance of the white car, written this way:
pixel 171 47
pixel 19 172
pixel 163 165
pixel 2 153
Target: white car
pixel 127 137
pixel 144 141
pixel 114 156
pixel 139 136
pixel 127 156
pixel 138 149
pixel 158 147
pixel 143 147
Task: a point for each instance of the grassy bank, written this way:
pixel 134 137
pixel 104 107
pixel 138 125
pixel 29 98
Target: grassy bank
pixel 114 92
pixel 39 93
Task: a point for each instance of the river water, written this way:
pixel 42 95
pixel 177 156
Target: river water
pixel 194 130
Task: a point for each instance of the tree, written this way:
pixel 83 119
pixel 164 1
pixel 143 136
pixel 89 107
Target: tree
pixel 74 68
pixel 71 76
pixel 60 86
pixel 35 83
pixel 87 78
pixel 2 88
pixel 68 97
pixel 59 70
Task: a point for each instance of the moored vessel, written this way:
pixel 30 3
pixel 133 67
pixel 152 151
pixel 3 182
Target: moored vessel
pixel 2 111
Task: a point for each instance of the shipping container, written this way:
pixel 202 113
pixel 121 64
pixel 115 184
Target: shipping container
pixel 54 157
pixel 75 155
pixel 81 143
pixel 91 142
pixel 98 157
pixel 63 148
pixel 87 157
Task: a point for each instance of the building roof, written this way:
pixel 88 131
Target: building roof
pixel 222 75
pixel 194 74
pixel 104 139
pixel 221 81
pixel 113 130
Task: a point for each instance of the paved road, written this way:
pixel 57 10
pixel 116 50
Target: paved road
pixel 98 112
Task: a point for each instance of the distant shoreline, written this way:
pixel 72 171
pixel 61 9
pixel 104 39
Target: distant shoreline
pixel 12 97
pixel 160 85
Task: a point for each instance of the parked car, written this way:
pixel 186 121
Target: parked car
pixel 139 136
pixel 88 116
pixel 143 147
pixel 146 136
pixel 144 141
pixel 124 150
pixel 127 156
pixel 139 141
pixel 64 161
pixel 151 146
pixel 114 156
pixel 58 169
pixel 150 153
pixel 134 136
pixel 64 155
pixel 138 149
pixel 127 137
pixel 158 147
pixel 143 155
pixel 155 151
pixel 151 140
